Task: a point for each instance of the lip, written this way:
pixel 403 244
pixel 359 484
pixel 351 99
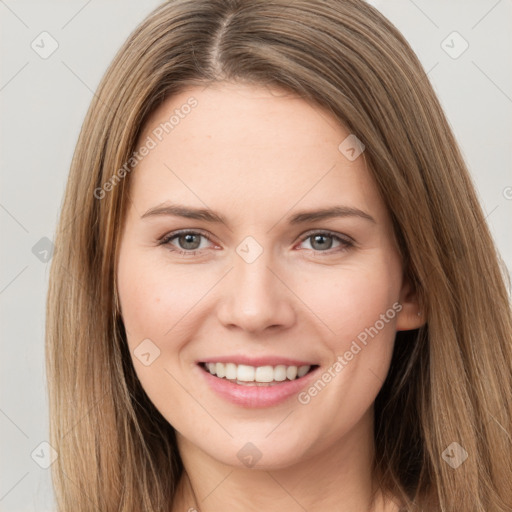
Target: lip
pixel 257 361
pixel 255 396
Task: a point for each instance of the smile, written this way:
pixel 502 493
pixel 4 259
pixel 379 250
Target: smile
pixel 243 374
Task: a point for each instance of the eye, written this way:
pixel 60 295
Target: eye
pixel 189 243
pixel 323 241
pixel 185 243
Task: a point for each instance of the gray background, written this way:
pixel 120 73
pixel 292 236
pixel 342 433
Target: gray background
pixel 43 103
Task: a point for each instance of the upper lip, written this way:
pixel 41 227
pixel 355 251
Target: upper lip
pixel 256 361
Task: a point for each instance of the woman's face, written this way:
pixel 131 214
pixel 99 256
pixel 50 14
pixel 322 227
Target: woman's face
pixel 224 260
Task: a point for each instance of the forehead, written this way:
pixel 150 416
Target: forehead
pixel 248 147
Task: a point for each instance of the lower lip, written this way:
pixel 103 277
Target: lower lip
pixel 256 396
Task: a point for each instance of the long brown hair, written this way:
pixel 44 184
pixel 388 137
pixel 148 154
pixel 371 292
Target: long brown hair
pixel 449 381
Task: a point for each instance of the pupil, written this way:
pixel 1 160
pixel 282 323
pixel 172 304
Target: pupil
pixel 187 240
pixel 319 238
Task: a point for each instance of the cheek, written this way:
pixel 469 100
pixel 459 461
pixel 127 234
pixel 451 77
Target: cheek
pixel 357 307
pixel 349 299
pixel 361 311
pixel 155 297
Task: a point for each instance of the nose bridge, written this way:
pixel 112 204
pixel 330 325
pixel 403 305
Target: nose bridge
pixel 254 297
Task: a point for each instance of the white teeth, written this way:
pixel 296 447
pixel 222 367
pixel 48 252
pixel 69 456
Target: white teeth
pixel 243 372
pixel 231 371
pixel 220 370
pixel 262 374
pixel 291 372
pixel 280 372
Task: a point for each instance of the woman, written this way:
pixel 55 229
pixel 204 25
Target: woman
pixel 274 287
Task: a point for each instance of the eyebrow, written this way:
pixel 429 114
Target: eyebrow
pixel 176 210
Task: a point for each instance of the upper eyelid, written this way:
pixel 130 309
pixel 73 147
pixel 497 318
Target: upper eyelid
pixel 173 234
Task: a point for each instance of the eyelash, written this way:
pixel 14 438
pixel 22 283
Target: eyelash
pixel 346 242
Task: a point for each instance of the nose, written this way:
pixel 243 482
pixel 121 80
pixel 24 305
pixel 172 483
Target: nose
pixel 255 298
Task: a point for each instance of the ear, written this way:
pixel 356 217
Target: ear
pixel 410 316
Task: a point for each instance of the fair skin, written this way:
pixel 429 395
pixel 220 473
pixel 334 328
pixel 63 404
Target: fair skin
pixel 256 157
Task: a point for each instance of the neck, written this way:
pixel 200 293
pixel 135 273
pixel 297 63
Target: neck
pixel 338 478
